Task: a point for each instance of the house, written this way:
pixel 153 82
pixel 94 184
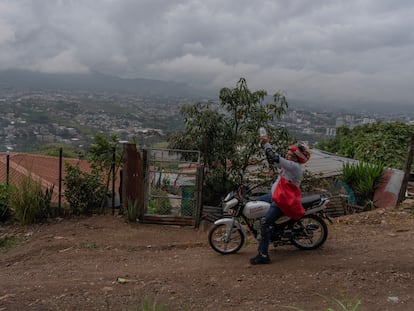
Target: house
pixel 326 164
pixel 329 165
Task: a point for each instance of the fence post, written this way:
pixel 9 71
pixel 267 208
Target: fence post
pixel 407 171
pixel 199 196
pixel 60 180
pixel 113 179
pixel 7 169
pixel 132 179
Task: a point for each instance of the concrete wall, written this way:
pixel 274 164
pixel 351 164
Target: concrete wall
pixel 387 194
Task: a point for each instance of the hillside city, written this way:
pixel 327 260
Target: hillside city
pixel 30 119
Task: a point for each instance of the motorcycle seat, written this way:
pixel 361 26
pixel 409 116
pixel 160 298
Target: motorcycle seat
pixel 310 200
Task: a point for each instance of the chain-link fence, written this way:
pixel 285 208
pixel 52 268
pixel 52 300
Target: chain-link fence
pixel 173 184
pixel 49 171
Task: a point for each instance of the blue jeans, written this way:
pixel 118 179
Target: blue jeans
pixel 271 216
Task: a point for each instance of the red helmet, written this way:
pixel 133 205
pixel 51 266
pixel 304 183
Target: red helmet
pixel 301 151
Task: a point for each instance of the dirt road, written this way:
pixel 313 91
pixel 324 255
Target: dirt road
pixel 74 265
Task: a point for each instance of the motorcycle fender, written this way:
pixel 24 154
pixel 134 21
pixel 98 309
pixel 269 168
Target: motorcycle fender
pixel 229 222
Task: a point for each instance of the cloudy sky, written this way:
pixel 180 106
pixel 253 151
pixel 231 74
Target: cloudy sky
pixel 331 49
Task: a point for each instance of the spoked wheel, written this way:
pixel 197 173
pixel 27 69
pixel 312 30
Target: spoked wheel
pixel 309 232
pixel 225 240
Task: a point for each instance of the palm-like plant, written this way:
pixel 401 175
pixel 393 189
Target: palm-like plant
pixel 364 179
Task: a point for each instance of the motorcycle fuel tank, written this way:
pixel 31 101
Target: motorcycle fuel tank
pixel 256 209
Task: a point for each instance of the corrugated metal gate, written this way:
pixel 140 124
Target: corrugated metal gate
pixel 172 185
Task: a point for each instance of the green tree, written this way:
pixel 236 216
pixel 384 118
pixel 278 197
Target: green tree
pixel 228 133
pixel 380 142
pixel 88 192
pixel 100 153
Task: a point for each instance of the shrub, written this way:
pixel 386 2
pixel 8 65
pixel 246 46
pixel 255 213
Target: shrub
pixel 312 183
pixel 4 202
pixel 132 212
pixel 159 203
pixel 363 179
pixel 29 202
pixel 84 192
pixel 8 242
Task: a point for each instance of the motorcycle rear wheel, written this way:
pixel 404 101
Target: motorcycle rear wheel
pixel 225 241
pixel 310 232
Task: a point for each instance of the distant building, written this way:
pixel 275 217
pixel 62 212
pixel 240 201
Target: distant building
pixel 368 121
pixel 339 122
pixel 330 131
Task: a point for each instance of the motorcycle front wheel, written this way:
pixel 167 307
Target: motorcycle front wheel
pixel 225 240
pixel 309 232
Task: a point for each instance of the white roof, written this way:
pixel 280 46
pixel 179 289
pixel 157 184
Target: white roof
pixel 326 164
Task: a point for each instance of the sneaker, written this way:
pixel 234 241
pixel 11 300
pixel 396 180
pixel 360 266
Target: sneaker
pixel 260 259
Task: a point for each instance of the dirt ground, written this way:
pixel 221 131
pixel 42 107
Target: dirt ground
pixel 74 264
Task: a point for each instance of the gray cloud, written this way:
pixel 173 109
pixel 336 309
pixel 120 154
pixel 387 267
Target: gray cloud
pixel 356 49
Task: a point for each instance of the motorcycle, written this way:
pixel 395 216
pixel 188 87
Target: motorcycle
pixel 228 235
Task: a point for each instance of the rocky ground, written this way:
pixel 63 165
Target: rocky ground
pixel 74 264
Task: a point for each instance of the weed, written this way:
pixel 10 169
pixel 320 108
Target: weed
pixel 132 211
pixel 347 305
pixel 8 243
pixel 29 202
pixel 89 245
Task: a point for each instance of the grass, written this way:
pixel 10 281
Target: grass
pixel 132 212
pixel 89 245
pixel 346 305
pixel 148 306
pixel 8 243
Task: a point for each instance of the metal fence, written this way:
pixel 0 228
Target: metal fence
pixel 173 186
pixel 50 172
pixel 171 179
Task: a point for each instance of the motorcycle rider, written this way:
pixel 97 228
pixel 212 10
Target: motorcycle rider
pixel 290 168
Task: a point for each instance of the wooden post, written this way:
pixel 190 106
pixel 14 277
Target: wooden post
pixel 7 169
pixel 198 196
pixel 132 176
pixel 145 182
pixel 60 181
pixel 113 178
pixel 407 171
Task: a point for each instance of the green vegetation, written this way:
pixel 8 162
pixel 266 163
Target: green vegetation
pixel 159 203
pixel 132 210
pixel 386 143
pixel 376 146
pixel 4 202
pixel 29 203
pixel 85 192
pixel 52 149
pixel 89 245
pixel 364 179
pixel 347 305
pixel 228 133
pixel 147 305
pixel 100 153
pixel 8 243
pixel 312 183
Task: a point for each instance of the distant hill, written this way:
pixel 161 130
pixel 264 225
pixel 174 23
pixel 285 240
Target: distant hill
pixel 93 82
